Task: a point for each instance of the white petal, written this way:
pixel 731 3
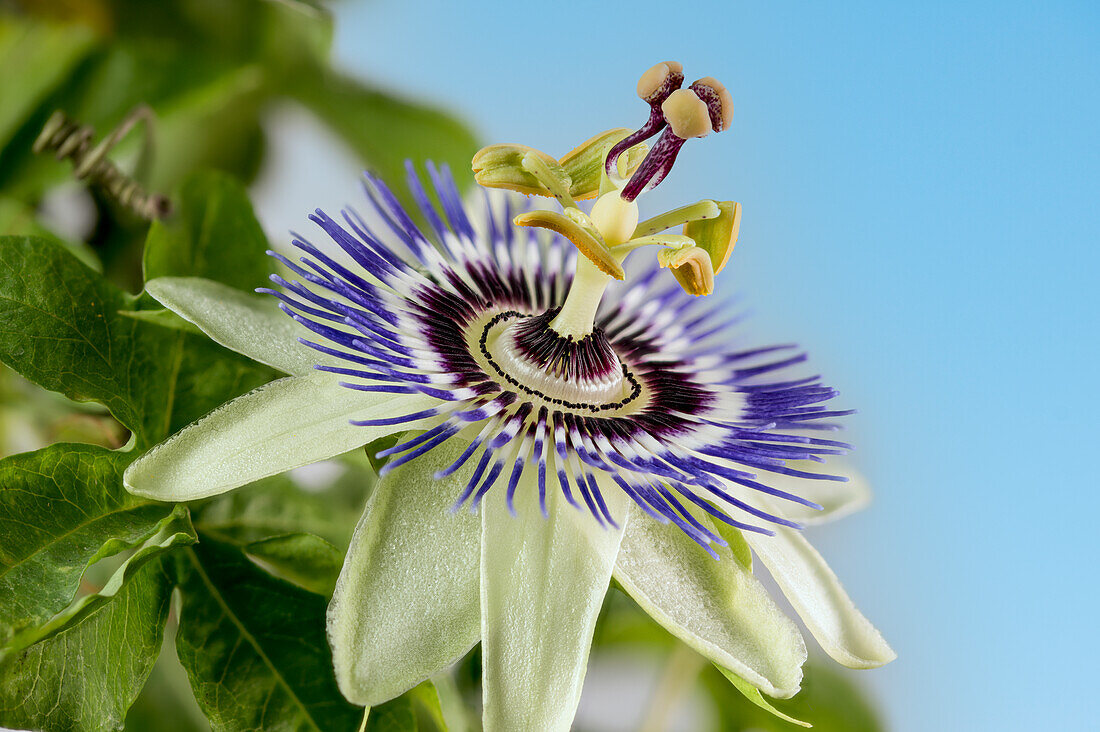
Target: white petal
pixel 543 581
pixel 282 425
pixel 251 325
pixel 837 499
pixel 716 607
pixel 815 593
pixel 408 602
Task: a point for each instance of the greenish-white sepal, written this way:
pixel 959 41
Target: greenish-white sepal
pixel 407 602
pixel 716 607
pixel 836 498
pixel 543 581
pixel 753 695
pixel 285 424
pixel 172 531
pixel 818 597
pixel 251 325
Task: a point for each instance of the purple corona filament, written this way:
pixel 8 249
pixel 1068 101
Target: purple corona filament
pixel 657 399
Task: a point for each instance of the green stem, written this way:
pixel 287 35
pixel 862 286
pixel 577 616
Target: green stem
pixel 578 313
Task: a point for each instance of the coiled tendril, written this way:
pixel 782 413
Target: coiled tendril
pixel 69 139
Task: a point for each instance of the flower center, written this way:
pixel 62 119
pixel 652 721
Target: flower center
pixel 582 373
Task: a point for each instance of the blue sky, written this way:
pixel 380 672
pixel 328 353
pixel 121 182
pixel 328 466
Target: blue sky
pixel 920 187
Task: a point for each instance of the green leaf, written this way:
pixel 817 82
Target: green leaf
pixel 63 330
pixel 306 560
pixel 86 677
pixel 254 646
pixel 396 715
pixel 214 234
pixel 61 509
pixel 427 700
pixel 385 130
pixel 753 695
pixel 172 531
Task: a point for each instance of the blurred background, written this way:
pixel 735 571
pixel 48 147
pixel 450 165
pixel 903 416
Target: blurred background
pixel 919 185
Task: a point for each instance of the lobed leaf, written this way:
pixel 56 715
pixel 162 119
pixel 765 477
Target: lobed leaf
pixel 63 330
pixel 254 646
pixel 62 508
pixel 172 531
pixel 85 678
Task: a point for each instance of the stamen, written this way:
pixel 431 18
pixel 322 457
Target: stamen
pixel 692 268
pixel 586 238
pixel 584 163
pixel 705 209
pixel 536 166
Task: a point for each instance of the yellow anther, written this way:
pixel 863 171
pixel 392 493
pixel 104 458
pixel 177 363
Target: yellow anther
pixel 584 163
pixel 692 268
pixel 687 114
pixel 721 110
pixel 501 166
pixel 553 179
pixel 718 235
pixel 655 80
pixel 581 232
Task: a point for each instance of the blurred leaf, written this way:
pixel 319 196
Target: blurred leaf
pixel 306 560
pixel 254 646
pixel 427 701
pixel 86 677
pixel 274 507
pixel 18 219
pixel 213 234
pixel 205 67
pixel 172 531
pixel 753 694
pixel 64 332
pixel 395 715
pixel 167 695
pixel 371 449
pixel 830 700
pixel 35 57
pixel 215 125
pixel 385 130
pixel 62 509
